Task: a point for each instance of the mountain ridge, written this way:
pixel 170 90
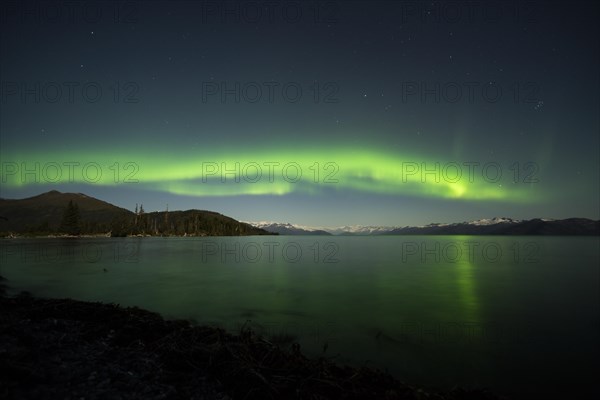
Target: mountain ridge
pixel 288 229
pixel 43 215
pixel 484 226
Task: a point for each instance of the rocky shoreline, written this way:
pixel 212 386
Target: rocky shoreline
pixel 62 348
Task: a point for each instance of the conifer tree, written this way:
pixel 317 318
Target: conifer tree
pixel 71 221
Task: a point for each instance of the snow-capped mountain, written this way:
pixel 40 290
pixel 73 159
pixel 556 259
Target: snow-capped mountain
pixel 287 228
pixel 485 226
pixel 294 229
pixel 493 221
pixel 359 230
pixel 507 226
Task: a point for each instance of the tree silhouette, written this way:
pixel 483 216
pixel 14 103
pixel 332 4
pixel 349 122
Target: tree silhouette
pixel 71 220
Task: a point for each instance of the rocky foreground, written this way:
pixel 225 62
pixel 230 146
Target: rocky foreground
pixel 61 348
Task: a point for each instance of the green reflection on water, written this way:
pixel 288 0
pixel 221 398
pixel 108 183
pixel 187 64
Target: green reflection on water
pixel 465 279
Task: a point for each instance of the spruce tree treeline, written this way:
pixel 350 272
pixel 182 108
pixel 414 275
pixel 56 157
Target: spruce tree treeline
pixel 180 223
pixel 122 223
pixel 71 220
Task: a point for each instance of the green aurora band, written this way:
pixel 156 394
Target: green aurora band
pixel 271 172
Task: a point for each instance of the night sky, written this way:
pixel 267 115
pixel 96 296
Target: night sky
pixel 318 113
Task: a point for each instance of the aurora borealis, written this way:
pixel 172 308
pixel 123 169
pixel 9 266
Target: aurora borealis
pixel 277 173
pixel 319 113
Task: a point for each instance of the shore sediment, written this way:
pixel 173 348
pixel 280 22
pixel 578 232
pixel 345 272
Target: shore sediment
pixel 63 348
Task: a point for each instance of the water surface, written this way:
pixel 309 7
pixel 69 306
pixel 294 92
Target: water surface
pixel 519 315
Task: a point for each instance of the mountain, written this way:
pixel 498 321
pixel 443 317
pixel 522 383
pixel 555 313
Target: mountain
pixel 487 226
pixel 43 214
pixel 507 226
pixel 287 229
pixel 293 229
pixel 360 230
pixel 188 223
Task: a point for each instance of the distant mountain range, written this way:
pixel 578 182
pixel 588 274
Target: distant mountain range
pixel 492 226
pixel 44 215
pixel 288 229
pixel 507 226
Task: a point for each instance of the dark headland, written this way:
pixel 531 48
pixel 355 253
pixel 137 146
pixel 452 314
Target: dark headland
pixel 76 214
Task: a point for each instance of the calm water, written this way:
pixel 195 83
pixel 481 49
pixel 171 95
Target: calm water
pixel 519 315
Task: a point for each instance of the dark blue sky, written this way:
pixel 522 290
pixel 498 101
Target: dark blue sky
pixel 327 113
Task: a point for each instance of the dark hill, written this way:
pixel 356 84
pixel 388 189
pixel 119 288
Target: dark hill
pixel 192 223
pixel 43 214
